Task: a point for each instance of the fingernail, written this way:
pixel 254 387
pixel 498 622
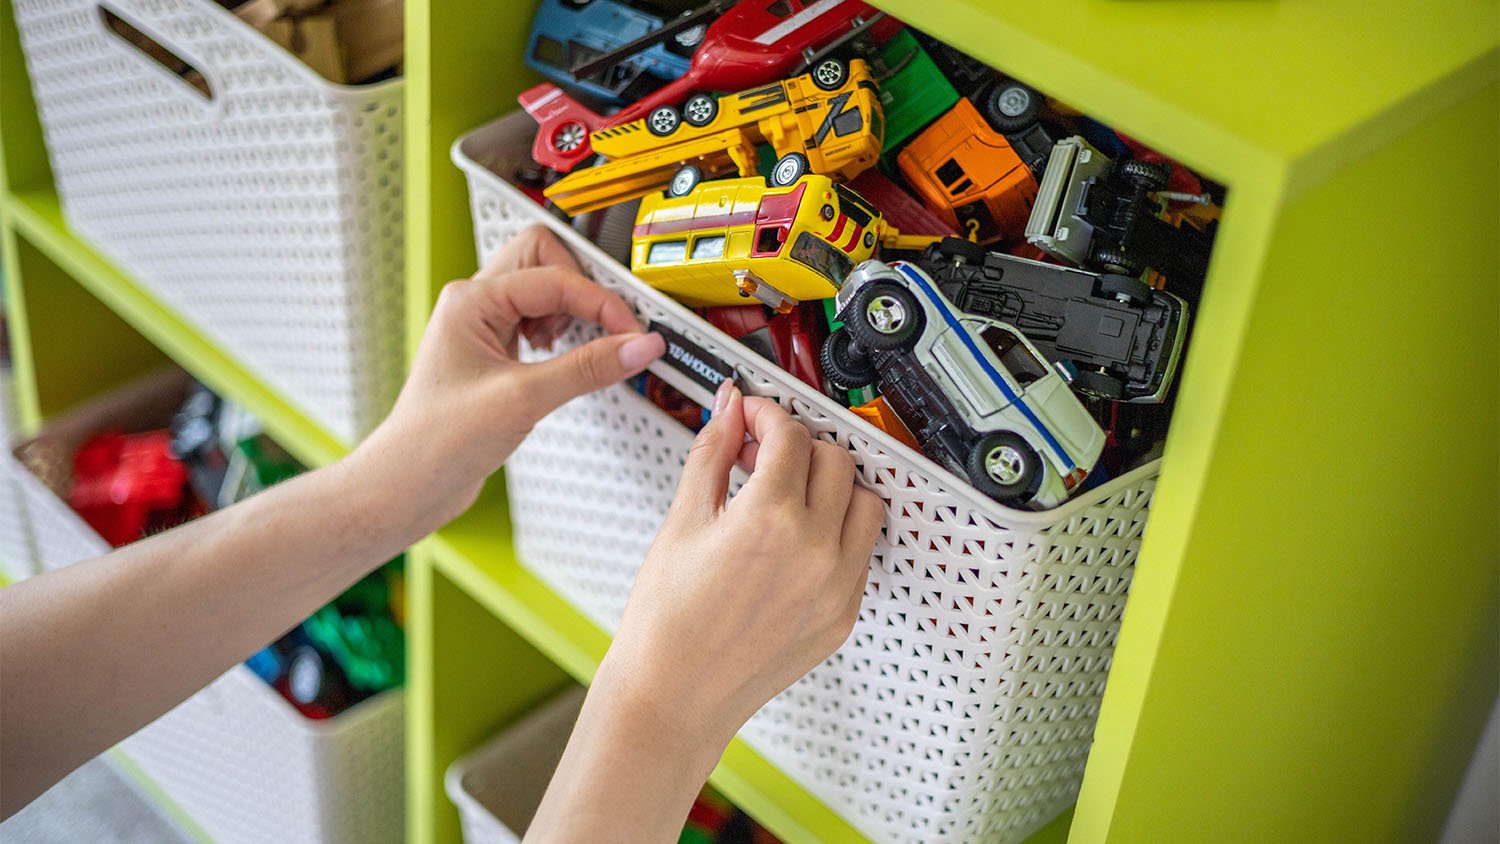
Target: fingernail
pixel 722 396
pixel 640 350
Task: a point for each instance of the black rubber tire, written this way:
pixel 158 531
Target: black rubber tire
pixel 1011 106
pixel 1112 259
pixel 1134 291
pixel 663 121
pixel 789 168
pixel 885 295
pixel 956 247
pixel 842 366
pixel 1098 385
pixel 1028 476
pixel 700 110
pixel 684 180
pixel 1145 174
pixel 829 74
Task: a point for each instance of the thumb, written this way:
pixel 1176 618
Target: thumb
pixel 705 477
pixel 551 383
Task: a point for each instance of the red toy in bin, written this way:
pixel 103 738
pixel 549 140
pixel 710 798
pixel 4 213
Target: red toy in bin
pixel 125 485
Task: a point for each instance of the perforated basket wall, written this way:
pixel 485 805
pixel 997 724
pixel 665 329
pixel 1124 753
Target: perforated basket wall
pixel 962 707
pixel 239 760
pixel 17 556
pixel 267 215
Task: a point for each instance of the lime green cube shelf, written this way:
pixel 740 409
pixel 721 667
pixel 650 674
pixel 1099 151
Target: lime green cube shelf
pixel 1311 642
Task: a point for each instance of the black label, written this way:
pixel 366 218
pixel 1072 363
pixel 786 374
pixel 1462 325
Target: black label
pixel 701 368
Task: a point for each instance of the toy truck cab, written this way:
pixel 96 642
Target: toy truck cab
pixel 1100 214
pixel 977 395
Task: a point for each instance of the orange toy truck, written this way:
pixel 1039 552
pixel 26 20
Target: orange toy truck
pixel 969 174
pixel 828 123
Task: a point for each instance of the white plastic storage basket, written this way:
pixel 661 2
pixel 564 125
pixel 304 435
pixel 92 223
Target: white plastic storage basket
pixel 498 787
pixel 267 214
pixel 17 555
pixel 238 759
pixel 963 706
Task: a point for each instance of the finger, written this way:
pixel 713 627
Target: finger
pixel 551 383
pixel 830 479
pixel 543 332
pixel 533 246
pixel 781 462
pixel 748 452
pixel 538 292
pixel 705 476
pixel 862 523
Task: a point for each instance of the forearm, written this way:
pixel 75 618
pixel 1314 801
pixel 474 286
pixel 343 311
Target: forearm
pixel 632 768
pixel 91 653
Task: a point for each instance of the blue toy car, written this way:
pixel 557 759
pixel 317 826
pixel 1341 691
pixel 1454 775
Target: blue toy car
pixel 568 33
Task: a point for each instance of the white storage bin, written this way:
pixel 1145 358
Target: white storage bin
pixel 267 214
pixel 498 787
pixel 963 706
pixel 17 555
pixel 237 758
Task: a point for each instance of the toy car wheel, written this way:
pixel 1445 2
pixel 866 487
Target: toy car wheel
pixel 569 136
pixel 1012 107
pixel 663 120
pixel 1131 291
pixel 846 368
pixel 686 41
pixel 829 74
pixel 700 110
pixel 684 180
pixel 1098 385
pixel 314 679
pixel 1145 174
pixel 1002 466
pixel 1112 259
pixel 950 248
pixel 885 317
pixel 789 168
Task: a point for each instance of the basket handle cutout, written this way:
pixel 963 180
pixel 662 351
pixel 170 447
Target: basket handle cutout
pixel 152 49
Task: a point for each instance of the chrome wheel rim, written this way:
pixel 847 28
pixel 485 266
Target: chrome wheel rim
pixel 683 182
pixel 570 137
pixel 1004 464
pixel 700 111
pixel 829 73
pixel 787 172
pixel 886 314
pixel 1013 102
pixel 663 120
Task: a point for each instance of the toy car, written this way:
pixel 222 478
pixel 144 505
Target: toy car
pixel 1098 213
pixel 733 238
pixel 791 341
pixel 967 171
pixel 977 395
pixel 827 122
pixel 754 43
pixel 129 485
pixel 1123 339
pixel 566 35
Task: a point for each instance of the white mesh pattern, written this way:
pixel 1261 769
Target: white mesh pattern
pixel 962 707
pixel 17 554
pixel 269 217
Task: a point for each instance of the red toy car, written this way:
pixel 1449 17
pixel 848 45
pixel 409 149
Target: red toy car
pixel 754 43
pixel 792 341
pixel 126 486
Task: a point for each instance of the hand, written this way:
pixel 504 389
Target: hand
pixel 468 402
pixel 735 603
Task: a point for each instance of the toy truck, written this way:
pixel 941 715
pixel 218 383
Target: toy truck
pixel 1122 339
pixel 566 35
pixel 754 43
pixel 967 171
pixel 1097 213
pixel 825 122
pixel 978 396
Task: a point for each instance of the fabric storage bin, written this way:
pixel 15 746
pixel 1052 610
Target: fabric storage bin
pixel 236 757
pixel 963 705
pixel 498 787
pixel 267 213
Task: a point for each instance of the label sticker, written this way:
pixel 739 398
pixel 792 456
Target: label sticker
pixel 689 367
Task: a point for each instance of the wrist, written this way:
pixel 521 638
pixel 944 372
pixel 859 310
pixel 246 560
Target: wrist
pixel 680 713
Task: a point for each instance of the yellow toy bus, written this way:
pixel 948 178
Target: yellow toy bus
pixel 824 123
pixel 734 238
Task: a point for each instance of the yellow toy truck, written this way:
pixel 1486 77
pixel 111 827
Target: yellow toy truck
pixel 826 123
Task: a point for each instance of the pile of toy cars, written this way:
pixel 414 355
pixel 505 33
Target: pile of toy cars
pixel 347 651
pixel 980 271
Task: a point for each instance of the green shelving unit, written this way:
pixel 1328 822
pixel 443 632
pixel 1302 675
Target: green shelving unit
pixel 1310 648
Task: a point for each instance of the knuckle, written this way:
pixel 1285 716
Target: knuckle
pixel 588 366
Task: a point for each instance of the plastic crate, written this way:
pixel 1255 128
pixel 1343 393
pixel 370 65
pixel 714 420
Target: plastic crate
pixel 963 706
pixel 268 214
pixel 498 787
pixel 236 757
